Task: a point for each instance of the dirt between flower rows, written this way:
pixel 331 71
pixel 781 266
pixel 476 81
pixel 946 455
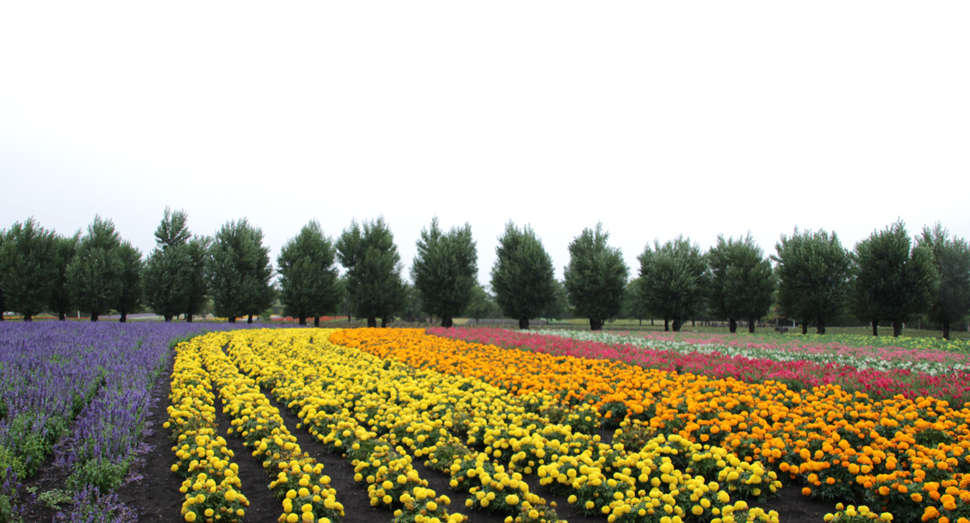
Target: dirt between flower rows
pixel 153 489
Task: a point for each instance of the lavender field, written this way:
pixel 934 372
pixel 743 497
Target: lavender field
pixel 74 395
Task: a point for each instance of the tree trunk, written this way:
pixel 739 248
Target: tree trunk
pixel 28 318
pixel 677 324
pixel 447 321
pixel 651 322
pixel 875 327
pixel 188 317
pixel 301 320
pixel 692 324
pixel 94 316
pixel 524 323
pixel 641 322
pixel 946 330
pixel 316 321
pixel 666 325
pixel 371 322
pixel 820 324
pixel 897 329
pixel 751 324
pixel 232 319
pixel 168 318
pixel 732 325
pixel 124 318
pixel 383 322
pixel 804 327
pixel 250 320
pixel 61 316
pixel 595 325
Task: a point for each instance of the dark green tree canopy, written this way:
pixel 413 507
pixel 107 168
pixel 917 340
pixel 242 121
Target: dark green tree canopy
pixel 893 281
pixel 741 281
pixel 239 271
pixel 634 307
pixel 950 304
pixel 673 280
pixel 595 277
pixel 522 278
pixel 374 283
pixel 813 277
pixel 308 274
pixel 28 267
pixel 60 302
pixel 94 275
pixel 444 270
pixel 132 269
pixel 482 304
pixel 171 272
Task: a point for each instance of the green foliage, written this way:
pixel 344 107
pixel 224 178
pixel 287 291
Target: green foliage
pixel 673 280
pixel 94 275
pixel 104 474
pixel 60 300
pixel 559 308
pixel 28 267
pixel 196 294
pixel 481 305
pixel 893 281
pixel 444 270
pixel 374 284
pixel 169 270
pixel 595 277
pixel 633 306
pixel 522 277
pixel 239 271
pixel 741 280
pixel 308 275
pixel 951 258
pixel 132 269
pixel 813 277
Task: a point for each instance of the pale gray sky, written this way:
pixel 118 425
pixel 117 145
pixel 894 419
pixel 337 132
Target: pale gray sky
pixel 656 118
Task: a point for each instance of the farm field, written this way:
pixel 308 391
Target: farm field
pixel 403 425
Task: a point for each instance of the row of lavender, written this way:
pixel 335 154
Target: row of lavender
pixel 87 386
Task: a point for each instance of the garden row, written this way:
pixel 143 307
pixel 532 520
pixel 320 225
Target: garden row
pixel 898 455
pixel 75 397
pixel 878 372
pixel 381 413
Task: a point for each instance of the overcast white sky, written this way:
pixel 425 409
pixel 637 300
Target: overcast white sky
pixel 656 118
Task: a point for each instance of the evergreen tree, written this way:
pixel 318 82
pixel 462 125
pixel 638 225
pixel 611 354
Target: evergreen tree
pixel 595 277
pixel 813 277
pixel 673 281
pixel 239 271
pixel 196 294
pixel 741 281
pixel 60 302
pixel 171 269
pixel 522 277
pixel 558 308
pixel 633 306
pixel 893 281
pixel 28 267
pixel 950 303
pixel 308 275
pixel 481 305
pixel 374 284
pixel 444 270
pixel 132 269
pixel 94 275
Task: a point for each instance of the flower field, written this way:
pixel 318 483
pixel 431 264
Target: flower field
pixel 523 429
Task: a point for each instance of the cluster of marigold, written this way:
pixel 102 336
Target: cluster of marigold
pixel 299 481
pixel 391 479
pixel 211 486
pixel 908 457
pixel 349 400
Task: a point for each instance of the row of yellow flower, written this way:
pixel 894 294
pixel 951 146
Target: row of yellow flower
pixel 211 486
pixel 331 385
pixel 906 456
pixel 392 480
pixel 299 480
